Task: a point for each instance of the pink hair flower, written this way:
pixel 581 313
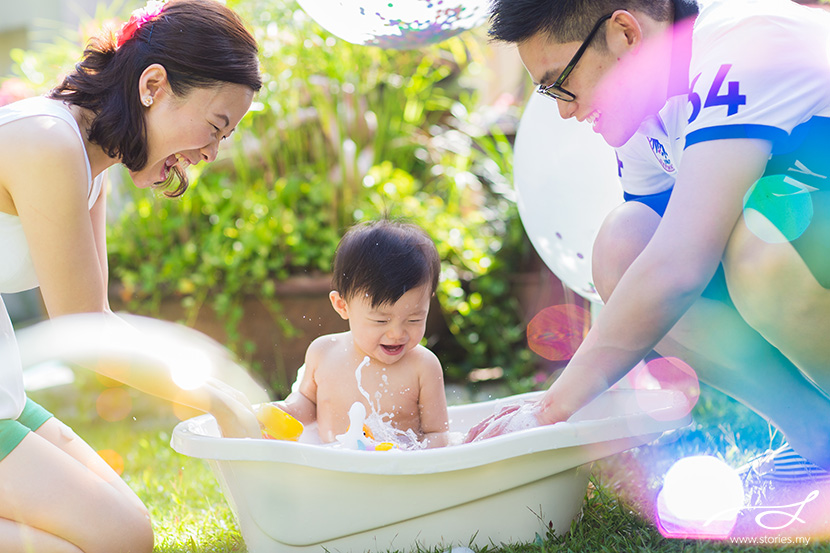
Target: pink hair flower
pixel 138 18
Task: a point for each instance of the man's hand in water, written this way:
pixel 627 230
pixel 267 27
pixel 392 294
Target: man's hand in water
pixel 511 418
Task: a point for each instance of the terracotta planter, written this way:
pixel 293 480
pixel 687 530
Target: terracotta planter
pixel 304 304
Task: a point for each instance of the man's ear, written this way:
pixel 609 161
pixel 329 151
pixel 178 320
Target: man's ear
pixel 339 304
pixel 623 33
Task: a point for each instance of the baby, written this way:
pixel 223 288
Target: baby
pixel 385 274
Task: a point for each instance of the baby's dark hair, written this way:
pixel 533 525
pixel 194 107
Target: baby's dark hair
pixel 200 43
pixel 384 259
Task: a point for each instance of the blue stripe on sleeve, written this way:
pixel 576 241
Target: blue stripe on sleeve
pixel 764 132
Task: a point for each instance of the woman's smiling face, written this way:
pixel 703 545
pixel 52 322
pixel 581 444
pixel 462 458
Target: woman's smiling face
pixel 186 130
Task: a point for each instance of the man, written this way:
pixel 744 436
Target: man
pixel 724 110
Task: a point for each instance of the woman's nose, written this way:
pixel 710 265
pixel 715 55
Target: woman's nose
pixel 209 152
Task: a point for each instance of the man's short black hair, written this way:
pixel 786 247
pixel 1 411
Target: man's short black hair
pixel 384 259
pixel 515 21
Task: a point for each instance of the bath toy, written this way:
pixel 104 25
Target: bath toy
pixel 358 435
pixel 277 424
pixel 566 182
pixel 398 24
pixel 289 496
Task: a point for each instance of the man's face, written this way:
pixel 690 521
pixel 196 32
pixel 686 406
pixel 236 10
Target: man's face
pixel 615 88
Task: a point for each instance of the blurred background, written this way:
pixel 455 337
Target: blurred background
pixel 339 133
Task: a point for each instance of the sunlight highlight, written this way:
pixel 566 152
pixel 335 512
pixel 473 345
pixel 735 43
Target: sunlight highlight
pixel 701 498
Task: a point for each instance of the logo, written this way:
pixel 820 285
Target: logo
pixel 661 154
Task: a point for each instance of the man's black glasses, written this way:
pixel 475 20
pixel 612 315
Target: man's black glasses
pixel 555 90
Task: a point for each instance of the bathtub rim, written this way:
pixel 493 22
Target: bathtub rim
pixel 190 438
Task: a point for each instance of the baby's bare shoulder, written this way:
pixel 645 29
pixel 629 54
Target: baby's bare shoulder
pixel 425 360
pixel 326 343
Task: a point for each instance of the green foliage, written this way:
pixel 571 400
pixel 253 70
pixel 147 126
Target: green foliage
pixel 338 133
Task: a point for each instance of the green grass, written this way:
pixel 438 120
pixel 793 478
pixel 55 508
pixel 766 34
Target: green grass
pixel 190 513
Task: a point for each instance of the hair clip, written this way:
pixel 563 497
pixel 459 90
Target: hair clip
pixel 138 18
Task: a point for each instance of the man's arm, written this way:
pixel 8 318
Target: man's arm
pixel 668 276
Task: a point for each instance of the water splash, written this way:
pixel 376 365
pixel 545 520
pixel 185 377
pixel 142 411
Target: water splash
pixel 380 424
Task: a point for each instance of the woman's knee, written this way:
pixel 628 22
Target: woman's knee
pixel 624 234
pixel 133 533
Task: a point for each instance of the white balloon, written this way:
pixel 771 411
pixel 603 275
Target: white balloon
pixel 566 182
pixel 399 24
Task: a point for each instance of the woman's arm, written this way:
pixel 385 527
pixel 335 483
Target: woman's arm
pixel 98 216
pixel 48 184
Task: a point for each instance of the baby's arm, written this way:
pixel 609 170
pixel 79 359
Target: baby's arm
pixel 432 402
pixel 302 404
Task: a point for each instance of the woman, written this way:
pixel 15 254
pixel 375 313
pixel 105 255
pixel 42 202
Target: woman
pixel 158 97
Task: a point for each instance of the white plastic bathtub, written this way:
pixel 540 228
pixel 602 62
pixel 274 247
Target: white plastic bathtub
pixel 290 496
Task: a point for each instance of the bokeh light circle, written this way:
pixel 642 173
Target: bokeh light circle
pixel 556 332
pixel 778 208
pixel 398 24
pixel 113 459
pixel 666 373
pixel 701 498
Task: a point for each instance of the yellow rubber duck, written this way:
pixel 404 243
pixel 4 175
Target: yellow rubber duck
pixel 277 424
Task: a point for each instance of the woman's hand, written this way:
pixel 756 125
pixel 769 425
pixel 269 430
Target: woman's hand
pixel 232 410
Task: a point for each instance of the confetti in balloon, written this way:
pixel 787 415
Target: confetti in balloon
pixel 401 24
pixel 556 331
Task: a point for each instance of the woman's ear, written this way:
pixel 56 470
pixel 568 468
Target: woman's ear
pixel 153 80
pixel 339 304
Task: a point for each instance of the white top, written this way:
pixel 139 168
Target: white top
pixel 758 69
pixel 17 272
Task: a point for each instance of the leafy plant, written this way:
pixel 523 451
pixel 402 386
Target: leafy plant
pixel 339 133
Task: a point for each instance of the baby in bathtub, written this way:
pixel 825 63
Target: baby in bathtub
pixel 385 273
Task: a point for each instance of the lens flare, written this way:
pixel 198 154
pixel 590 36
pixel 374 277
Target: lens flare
pixel 556 331
pixel 778 208
pixel 667 373
pixel 113 459
pixel 189 368
pixel 701 498
pixel 113 404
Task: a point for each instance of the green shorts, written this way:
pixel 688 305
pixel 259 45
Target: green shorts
pixel 12 431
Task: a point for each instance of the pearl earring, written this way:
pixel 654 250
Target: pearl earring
pixel 148 101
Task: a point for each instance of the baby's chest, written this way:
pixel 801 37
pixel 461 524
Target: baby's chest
pixel 386 391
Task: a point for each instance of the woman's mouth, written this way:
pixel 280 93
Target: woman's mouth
pixel 169 163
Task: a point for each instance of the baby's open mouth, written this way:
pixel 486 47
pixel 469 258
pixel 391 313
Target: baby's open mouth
pixel 392 350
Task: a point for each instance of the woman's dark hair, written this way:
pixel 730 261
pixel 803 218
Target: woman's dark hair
pixel 200 43
pixel 384 259
pixel 515 21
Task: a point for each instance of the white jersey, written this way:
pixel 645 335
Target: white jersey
pixel 17 272
pixel 757 69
